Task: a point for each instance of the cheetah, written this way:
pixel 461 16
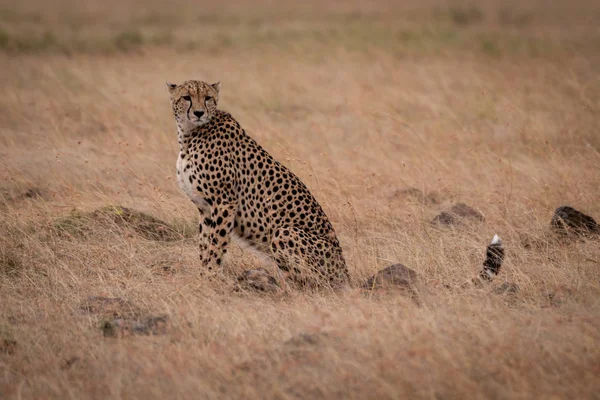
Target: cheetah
pixel 241 191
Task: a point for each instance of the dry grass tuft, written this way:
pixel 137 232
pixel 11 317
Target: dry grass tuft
pixel 390 113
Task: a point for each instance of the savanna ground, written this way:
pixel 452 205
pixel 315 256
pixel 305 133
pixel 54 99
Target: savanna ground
pixel 389 112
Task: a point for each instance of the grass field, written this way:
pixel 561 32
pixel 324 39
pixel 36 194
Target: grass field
pixel 390 113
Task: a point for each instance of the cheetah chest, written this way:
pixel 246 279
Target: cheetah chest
pixel 189 181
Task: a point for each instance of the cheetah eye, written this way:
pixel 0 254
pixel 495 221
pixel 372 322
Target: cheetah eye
pixel 187 98
pixel 208 98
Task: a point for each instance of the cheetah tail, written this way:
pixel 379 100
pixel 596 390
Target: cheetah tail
pixel 494 256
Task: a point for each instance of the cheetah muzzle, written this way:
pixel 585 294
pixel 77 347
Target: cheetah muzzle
pixel 240 190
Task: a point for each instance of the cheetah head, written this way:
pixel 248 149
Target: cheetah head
pixel 194 102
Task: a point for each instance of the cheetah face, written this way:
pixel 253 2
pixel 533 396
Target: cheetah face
pixel 193 102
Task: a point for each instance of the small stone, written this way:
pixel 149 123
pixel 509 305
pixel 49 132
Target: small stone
pixel 257 280
pixel 457 213
pixel 567 220
pixel 396 275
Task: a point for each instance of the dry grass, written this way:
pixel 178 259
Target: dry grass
pixel 389 113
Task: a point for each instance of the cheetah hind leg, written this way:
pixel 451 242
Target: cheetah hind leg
pixel 311 261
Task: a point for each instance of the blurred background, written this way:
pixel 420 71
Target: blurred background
pixel 402 28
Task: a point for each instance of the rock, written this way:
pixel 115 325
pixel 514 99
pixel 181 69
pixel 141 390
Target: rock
pixel 257 280
pixel 567 220
pixel 396 275
pixel 120 327
pixel 457 214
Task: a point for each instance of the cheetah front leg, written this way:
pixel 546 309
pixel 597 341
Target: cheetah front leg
pixel 203 228
pixel 219 234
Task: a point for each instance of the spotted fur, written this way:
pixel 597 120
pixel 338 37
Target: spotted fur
pixel 240 190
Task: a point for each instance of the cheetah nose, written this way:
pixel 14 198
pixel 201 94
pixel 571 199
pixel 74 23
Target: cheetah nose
pixel 198 113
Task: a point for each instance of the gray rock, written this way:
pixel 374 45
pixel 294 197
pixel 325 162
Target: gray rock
pixel 569 221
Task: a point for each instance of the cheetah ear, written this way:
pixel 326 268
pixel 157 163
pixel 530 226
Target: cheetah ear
pixel 216 86
pixel 171 87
